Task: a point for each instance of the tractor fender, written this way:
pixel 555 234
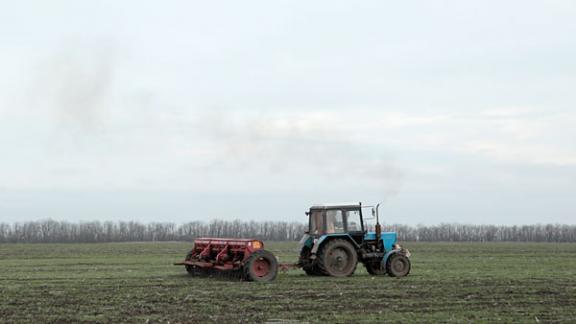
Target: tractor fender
pixel 323 238
pixel 392 252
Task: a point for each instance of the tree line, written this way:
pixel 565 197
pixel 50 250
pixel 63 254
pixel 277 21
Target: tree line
pixel 50 231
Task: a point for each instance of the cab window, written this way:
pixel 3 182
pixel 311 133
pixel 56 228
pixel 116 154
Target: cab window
pixel 316 222
pixel 334 221
pixel 353 221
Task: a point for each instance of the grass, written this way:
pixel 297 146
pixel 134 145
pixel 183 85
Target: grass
pixel 135 282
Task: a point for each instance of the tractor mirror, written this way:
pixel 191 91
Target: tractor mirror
pixel 307 213
pixel 373 212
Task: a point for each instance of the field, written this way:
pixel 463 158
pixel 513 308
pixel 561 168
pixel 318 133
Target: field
pixel 135 282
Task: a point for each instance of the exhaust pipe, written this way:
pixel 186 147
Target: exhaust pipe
pixel 378 228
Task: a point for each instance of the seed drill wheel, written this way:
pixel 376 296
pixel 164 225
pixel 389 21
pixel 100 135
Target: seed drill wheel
pixel 337 258
pixel 375 268
pixel 261 266
pixel 192 270
pixel 398 265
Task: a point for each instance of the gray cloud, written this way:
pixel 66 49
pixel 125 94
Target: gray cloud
pixel 74 84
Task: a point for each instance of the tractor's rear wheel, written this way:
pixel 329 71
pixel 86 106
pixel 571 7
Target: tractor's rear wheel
pixel 375 268
pixel 312 270
pixel 261 266
pixel 308 265
pixel 337 258
pixel 398 265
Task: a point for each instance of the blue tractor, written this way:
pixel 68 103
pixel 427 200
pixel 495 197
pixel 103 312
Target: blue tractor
pixel 337 239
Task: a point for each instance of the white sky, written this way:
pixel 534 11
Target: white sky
pixel 452 111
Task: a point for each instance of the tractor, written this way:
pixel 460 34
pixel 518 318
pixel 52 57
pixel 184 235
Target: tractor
pixel 337 239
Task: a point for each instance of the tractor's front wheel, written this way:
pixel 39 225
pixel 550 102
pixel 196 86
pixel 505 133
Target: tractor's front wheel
pixel 398 265
pixel 261 266
pixel 337 258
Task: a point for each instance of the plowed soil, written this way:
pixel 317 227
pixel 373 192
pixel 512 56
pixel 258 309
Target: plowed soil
pixel 136 282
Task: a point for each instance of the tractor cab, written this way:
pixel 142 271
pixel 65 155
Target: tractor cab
pixel 338 238
pixel 336 219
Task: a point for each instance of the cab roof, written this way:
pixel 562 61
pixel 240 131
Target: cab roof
pixel 336 205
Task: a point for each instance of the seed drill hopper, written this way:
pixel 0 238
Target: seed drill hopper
pixel 242 258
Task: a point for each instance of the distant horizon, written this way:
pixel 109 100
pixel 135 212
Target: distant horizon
pixel 262 221
pixel 245 220
pixel 182 206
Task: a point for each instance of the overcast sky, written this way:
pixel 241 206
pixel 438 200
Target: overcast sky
pixel 450 111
